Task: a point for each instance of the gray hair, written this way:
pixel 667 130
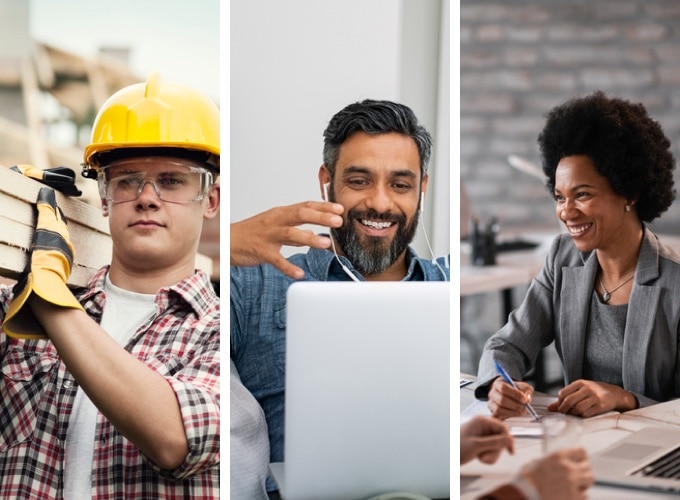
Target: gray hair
pixel 374 117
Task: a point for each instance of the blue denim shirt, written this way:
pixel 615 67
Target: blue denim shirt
pixel 258 323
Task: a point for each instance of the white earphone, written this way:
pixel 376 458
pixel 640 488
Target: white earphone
pixel 326 185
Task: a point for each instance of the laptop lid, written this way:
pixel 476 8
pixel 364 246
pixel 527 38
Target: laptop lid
pixel 636 461
pixel 367 390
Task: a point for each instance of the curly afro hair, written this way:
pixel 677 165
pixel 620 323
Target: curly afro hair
pixel 627 147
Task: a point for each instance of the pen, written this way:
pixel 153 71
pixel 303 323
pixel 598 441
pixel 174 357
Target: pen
pixel 504 375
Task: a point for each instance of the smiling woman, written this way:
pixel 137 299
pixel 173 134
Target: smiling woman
pixel 595 216
pixel 599 296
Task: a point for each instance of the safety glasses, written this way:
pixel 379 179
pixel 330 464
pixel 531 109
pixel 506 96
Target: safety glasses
pixel 172 181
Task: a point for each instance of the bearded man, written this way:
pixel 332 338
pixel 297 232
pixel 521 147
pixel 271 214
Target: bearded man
pixel 373 180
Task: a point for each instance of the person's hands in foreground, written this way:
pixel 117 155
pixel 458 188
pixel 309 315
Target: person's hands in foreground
pixel 505 401
pixel 258 239
pixel 562 475
pixel 484 438
pixel 586 398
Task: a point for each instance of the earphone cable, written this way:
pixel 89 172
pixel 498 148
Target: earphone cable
pixel 427 240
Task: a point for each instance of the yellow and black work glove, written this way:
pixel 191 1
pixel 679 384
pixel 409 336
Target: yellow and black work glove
pixel 60 178
pixel 47 271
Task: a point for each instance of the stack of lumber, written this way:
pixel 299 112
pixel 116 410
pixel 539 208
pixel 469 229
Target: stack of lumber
pixel 88 229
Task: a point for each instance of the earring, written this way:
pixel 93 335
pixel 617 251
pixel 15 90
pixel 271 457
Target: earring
pixel 627 208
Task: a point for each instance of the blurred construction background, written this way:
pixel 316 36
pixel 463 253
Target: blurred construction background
pixel 49 95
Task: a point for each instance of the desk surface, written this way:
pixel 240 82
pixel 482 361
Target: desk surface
pixel 598 432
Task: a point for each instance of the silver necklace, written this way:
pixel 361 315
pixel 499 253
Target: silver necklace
pixel 608 294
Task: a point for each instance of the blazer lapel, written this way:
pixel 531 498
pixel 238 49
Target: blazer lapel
pixel 577 288
pixel 643 303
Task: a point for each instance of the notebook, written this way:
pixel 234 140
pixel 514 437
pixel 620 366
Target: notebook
pixel 640 460
pixel 367 390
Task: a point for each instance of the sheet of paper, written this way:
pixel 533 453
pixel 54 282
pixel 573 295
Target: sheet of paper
pixel 477 407
pixel 524 426
pixel 528 429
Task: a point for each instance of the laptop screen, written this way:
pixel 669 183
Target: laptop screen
pixel 367 389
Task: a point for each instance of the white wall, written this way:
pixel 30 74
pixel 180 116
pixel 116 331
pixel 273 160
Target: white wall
pixel 295 63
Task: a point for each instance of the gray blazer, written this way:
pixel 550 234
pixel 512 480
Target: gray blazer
pixel 556 309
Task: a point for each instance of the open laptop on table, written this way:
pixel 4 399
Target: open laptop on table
pixel 367 390
pixel 647 459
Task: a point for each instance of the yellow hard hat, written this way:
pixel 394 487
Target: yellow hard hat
pixel 154 116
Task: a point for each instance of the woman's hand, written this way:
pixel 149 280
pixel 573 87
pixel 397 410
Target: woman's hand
pixel 586 398
pixel 505 401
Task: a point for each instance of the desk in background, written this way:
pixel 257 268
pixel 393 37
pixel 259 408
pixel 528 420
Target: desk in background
pixel 517 267
pixel 598 433
pixel 513 269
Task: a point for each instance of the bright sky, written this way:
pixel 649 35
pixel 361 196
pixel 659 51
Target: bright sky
pixel 178 38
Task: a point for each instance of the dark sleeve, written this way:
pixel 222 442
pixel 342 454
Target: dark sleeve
pixel 504 492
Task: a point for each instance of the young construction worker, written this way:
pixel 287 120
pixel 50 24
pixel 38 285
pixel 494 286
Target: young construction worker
pixel 112 391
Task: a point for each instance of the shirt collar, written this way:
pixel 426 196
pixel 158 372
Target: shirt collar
pixel 196 291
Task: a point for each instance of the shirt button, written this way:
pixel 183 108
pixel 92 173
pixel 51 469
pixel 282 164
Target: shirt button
pixel 67 384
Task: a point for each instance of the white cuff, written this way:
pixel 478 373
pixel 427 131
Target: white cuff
pixel 527 488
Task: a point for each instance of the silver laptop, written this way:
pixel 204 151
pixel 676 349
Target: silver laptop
pixel 367 390
pixel 647 459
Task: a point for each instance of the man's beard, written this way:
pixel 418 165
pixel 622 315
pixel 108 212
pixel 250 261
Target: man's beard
pixel 374 254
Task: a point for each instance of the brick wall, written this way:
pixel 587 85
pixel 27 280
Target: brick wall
pixel 519 58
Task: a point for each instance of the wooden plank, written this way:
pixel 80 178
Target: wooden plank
pixel 88 230
pixel 26 190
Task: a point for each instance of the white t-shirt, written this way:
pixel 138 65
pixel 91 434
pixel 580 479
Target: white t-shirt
pixel 123 314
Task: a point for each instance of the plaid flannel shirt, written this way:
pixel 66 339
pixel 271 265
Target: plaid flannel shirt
pixel 181 342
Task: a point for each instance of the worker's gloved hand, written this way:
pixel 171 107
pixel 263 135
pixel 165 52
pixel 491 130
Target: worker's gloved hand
pixel 47 271
pixel 60 178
